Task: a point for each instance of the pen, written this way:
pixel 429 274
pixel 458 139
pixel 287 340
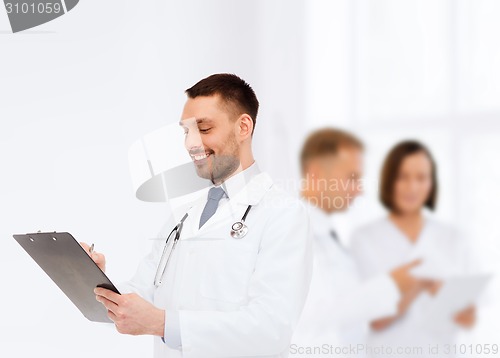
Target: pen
pixel 91 250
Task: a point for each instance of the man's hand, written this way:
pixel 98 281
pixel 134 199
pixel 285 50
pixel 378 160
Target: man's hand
pixel 98 258
pixel 131 313
pixel 466 318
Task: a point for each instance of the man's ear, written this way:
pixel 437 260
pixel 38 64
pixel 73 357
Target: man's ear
pixel 245 126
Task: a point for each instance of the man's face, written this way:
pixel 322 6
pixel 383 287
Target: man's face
pixel 210 137
pixel 338 177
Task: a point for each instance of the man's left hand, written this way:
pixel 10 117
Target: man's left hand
pixel 131 313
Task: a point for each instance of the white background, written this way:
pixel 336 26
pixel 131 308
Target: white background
pixel 77 92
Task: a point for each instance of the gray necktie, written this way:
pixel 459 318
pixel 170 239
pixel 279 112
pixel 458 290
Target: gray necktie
pixel 214 196
pixel 334 235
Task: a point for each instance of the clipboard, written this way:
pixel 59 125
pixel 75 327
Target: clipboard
pixel 71 268
pixel 456 294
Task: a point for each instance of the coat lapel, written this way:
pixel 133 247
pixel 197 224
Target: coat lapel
pixel 234 209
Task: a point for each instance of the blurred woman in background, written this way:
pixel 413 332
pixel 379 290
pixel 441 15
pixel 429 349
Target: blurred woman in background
pixel 408 186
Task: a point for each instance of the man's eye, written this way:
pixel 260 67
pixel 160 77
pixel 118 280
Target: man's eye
pixel 205 130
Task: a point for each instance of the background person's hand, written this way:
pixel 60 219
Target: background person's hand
pixel 432 286
pixel 131 313
pixel 98 258
pixel 409 287
pixel 466 318
pixel 403 278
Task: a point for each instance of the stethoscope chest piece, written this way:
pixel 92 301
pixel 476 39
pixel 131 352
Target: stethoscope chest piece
pixel 238 230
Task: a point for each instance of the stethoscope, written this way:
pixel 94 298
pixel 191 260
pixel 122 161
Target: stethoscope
pixel 239 229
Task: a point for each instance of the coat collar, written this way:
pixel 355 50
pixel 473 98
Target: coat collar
pixel 251 193
pixel 234 184
pixel 254 191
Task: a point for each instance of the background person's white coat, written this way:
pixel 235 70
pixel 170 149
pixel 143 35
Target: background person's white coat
pixel 380 247
pixel 340 303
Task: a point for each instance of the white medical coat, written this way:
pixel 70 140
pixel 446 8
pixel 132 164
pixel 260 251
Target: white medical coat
pixel 234 297
pixel 380 247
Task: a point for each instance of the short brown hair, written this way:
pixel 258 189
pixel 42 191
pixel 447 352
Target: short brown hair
pixel 232 89
pixel 326 141
pixel 391 167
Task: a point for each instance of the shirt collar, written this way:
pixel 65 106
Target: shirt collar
pixel 321 221
pixel 234 184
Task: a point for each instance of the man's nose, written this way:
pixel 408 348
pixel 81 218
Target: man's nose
pixel 193 141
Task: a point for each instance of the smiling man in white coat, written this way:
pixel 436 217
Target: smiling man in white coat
pixel 232 278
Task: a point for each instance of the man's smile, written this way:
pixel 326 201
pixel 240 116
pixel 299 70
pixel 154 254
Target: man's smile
pixel 199 158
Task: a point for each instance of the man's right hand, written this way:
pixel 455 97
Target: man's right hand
pixel 98 258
